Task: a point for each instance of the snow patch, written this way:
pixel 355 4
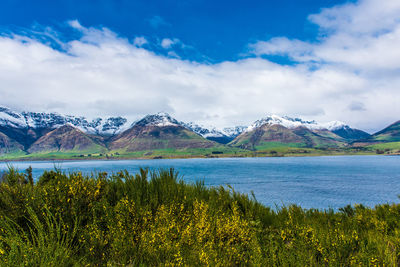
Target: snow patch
pixel 292 123
pixel 160 119
pixel 54 120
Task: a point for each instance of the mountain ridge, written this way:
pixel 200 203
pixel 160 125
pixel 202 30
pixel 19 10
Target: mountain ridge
pixel 32 133
pixel 115 125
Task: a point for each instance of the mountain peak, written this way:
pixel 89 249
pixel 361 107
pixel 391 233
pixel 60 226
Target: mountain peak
pixel 41 120
pixel 160 119
pixel 292 123
pixel 334 125
pixel 11 118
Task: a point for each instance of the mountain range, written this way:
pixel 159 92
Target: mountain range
pixel 45 135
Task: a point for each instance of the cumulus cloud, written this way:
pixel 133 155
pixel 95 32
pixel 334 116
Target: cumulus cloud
pixel 351 73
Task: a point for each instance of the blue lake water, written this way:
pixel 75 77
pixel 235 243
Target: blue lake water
pixel 312 182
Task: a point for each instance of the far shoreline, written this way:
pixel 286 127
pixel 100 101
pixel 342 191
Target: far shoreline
pixel 77 159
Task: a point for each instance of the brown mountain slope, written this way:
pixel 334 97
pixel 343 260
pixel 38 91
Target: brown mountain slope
pixel 67 139
pixel 151 137
pixel 279 135
pixel 8 145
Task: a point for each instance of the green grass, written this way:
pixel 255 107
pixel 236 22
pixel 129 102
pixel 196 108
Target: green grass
pixel 17 154
pixel 278 146
pixel 154 219
pixel 390 145
pixel 189 152
pixel 264 150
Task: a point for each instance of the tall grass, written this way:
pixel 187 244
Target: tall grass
pixel 154 218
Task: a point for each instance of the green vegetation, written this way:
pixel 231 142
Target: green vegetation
pixel 389 134
pixel 388 148
pixel 264 146
pixel 153 218
pixel 267 149
pixel 222 151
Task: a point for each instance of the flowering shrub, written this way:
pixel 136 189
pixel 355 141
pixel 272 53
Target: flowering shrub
pixel 153 218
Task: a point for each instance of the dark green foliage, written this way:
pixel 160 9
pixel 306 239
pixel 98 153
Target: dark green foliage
pixel 29 175
pixel 154 218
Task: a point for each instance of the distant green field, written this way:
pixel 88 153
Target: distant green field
pixel 12 155
pixel 190 152
pixel 390 145
pixel 268 149
pixel 219 151
pixel 278 146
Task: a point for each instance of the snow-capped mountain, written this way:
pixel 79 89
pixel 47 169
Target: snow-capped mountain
pixel 115 125
pixel 229 133
pixel 295 122
pixel 164 119
pixel 203 130
pixel 210 131
pixel 337 127
pixel 234 131
pixel 9 118
pixel 223 136
pixel 160 119
pixel 158 131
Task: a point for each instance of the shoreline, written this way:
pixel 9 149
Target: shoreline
pixel 189 157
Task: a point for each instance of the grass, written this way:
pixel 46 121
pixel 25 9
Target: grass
pixel 390 146
pixel 265 150
pixel 18 154
pixel 218 151
pixel 154 218
pixel 278 146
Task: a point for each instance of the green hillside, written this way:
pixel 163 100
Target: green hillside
pixel 389 134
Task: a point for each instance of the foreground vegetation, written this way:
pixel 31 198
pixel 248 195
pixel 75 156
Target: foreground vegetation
pixel 153 218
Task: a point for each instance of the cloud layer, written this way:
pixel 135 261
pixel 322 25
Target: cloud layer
pixel 350 73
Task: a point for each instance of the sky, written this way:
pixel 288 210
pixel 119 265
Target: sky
pixel 221 63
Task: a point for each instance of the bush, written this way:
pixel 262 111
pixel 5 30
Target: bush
pixel 154 218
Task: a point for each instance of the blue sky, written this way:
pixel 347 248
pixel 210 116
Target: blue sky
pixel 216 30
pixel 220 63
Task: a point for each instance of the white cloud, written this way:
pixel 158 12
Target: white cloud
pixel 167 43
pixel 140 41
pixel 351 73
pixel 75 24
pixel 282 46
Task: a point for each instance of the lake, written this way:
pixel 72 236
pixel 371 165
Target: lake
pixel 312 182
